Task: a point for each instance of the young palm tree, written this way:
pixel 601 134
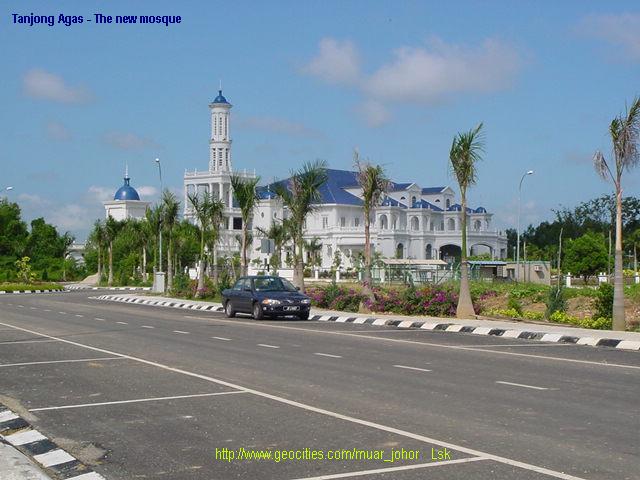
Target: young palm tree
pixel 624 131
pixel 465 153
pixel 216 221
pixel 280 235
pixel 66 241
pixel 170 210
pixel 244 191
pixel 374 184
pixel 300 198
pixel 111 229
pixel 97 237
pixel 313 247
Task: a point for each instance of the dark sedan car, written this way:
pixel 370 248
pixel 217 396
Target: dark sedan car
pixel 264 296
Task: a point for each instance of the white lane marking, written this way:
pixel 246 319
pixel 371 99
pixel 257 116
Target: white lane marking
pixel 87 476
pixel 539 345
pixel 62 313
pixel 123 323
pixel 54 457
pixel 137 400
pixel 412 368
pixel 22 438
pixel 327 355
pixel 321 411
pixel 101 359
pixel 7 415
pixel 222 338
pixel 180 331
pixel 522 385
pixel 32 308
pixel 267 345
pixel 424 344
pixel 21 306
pixel 100 319
pixel 147 326
pixel 394 469
pixel 46 310
pixel 27 341
pixel 78 315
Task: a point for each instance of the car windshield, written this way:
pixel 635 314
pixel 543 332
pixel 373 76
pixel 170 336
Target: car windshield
pixel 272 284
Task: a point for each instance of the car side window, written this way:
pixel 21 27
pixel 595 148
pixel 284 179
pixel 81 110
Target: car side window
pixel 239 284
pixel 247 284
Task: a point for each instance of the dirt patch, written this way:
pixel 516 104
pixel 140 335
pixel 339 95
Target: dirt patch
pixel 581 307
pixel 86 453
pixel 18 408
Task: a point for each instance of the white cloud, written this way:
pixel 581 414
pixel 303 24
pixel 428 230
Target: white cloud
pixel 622 30
pixel 72 217
pixel 374 113
pixel 57 131
pixel 425 74
pixel 277 125
pixel 127 141
pixel 100 194
pixel 337 62
pixel 147 191
pixel 32 199
pixel 39 83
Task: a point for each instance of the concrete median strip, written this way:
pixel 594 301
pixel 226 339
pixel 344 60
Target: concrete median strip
pixel 433 324
pixel 34 445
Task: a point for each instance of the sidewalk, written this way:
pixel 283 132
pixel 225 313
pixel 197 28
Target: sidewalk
pixel 16 466
pixel 482 326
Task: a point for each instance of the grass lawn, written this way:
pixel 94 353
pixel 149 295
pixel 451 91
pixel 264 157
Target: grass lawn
pixel 12 287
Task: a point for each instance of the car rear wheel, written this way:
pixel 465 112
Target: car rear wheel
pixel 229 311
pixel 257 311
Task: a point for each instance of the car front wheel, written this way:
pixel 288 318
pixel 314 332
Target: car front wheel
pixel 228 310
pixel 304 316
pixel 257 311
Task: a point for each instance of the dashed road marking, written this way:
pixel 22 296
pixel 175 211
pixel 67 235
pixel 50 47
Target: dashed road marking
pixel 32 308
pixel 222 338
pixel 46 310
pixel 147 326
pixel 62 313
pixel 123 323
pixel 181 332
pixel 267 345
pixel 99 319
pixel 327 355
pixel 413 368
pixel 522 385
pixel 78 315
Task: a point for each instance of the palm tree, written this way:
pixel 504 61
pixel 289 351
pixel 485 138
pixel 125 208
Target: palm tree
pixel 279 234
pixel 300 197
pixel 374 184
pixel 624 131
pixel 465 153
pixel 111 229
pixel 154 220
pixel 66 241
pixel 97 237
pixel 170 210
pixel 313 248
pixel 244 191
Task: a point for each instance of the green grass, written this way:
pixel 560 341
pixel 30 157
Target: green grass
pixel 12 287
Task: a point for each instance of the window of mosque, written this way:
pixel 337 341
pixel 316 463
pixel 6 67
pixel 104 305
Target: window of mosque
pixel 356 222
pixel 237 223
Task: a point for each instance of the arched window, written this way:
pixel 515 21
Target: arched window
pixel 477 225
pixel 413 200
pixel 428 253
pixel 415 223
pixel 384 223
pixel 451 224
pixel 400 251
pixel 448 203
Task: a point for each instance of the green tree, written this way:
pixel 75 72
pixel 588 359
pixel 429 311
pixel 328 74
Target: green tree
pixel 244 191
pixel 374 184
pixel 279 234
pixel 66 241
pixel 111 229
pixel 624 131
pixel 313 248
pixel 586 255
pixel 300 198
pixel 465 153
pixel 97 238
pixel 170 211
pixel 13 235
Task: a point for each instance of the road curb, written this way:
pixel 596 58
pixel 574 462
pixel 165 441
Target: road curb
pixel 3 292
pixel 55 461
pixel 430 324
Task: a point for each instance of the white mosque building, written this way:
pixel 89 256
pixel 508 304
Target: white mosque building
pixel 126 202
pixel 413 222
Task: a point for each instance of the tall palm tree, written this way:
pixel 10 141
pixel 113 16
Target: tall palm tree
pixel 465 152
pixel 374 183
pixel 244 191
pixel 624 131
pixel 97 237
pixel 111 230
pixel 170 210
pixel 300 198
pixel 279 233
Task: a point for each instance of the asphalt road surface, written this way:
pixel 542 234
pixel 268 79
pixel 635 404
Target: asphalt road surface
pixel 157 393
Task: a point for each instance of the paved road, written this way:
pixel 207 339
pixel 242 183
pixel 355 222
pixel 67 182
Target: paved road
pixel 148 392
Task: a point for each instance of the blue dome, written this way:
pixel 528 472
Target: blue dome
pixel 220 98
pixel 126 192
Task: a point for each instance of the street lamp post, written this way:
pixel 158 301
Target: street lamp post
pixel 160 222
pixel 530 172
pixel 6 189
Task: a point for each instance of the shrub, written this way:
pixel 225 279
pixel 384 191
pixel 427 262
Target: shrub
pixel 599 323
pixel 555 301
pixel 514 304
pixel 604 301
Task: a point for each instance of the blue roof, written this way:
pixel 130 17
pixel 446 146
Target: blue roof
pixel 432 190
pixel 480 210
pixel 427 205
pixel 220 98
pixel 126 192
pixel 265 193
pixel 333 191
pixel 456 207
pixel 395 187
pixel 390 202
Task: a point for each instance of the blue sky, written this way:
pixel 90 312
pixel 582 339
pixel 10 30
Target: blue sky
pixel 314 80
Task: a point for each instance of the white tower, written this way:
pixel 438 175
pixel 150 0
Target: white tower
pixel 220 143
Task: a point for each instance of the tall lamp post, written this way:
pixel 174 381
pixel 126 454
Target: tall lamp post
pixel 530 172
pixel 160 222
